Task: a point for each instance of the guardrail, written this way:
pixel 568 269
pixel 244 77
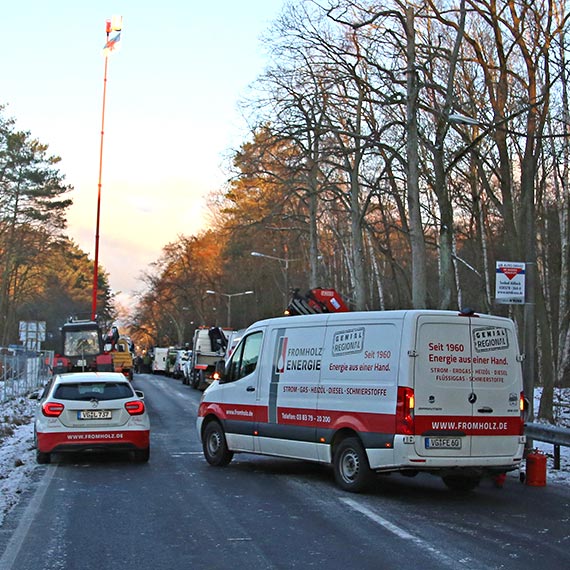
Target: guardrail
pixel 556 435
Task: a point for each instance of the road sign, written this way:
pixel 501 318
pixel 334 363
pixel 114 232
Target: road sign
pixel 32 333
pixel 510 282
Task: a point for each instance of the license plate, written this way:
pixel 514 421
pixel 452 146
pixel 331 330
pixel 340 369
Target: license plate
pixel 443 443
pixel 94 415
pixel 81 362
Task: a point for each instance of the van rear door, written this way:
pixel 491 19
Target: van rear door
pixel 442 385
pixel 467 386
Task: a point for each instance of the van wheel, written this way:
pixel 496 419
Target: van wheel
pixel 461 483
pixel 214 445
pixel 351 470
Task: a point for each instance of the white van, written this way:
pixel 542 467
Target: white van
pixel 409 391
pixel 160 360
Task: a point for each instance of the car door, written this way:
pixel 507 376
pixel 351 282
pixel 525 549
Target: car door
pixel 239 394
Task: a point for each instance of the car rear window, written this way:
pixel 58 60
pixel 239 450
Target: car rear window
pixel 93 390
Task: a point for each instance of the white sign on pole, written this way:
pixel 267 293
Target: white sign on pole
pixel 510 282
pixel 32 333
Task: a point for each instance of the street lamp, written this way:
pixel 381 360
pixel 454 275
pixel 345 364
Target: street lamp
pixel 285 261
pixel 113 25
pixel 229 296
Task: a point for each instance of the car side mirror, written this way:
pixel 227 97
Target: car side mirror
pixel 140 394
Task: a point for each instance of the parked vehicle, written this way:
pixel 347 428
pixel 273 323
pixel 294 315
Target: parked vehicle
pixel 87 411
pixel 407 391
pixel 84 348
pixel 187 368
pixel 180 360
pixel 160 360
pixel 208 348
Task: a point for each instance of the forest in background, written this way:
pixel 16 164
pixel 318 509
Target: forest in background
pixel 44 276
pixel 397 152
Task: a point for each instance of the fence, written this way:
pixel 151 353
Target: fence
pixel 22 372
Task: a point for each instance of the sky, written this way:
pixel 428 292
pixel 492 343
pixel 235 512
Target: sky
pixel 171 112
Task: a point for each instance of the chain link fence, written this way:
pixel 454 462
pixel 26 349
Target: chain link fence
pixel 23 372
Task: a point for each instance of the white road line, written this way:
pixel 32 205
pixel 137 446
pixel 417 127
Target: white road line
pixel 17 540
pixel 403 534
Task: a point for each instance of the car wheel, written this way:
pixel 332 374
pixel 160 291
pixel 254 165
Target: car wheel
pixel 214 445
pixel 142 455
pixel 461 483
pixel 351 470
pixel 195 379
pixel 43 458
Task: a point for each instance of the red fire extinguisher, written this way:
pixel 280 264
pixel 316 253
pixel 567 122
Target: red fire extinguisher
pixel 536 468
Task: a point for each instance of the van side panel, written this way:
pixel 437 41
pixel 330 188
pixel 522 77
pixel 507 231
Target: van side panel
pixel 359 381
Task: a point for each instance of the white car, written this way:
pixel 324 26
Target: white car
pixel 91 410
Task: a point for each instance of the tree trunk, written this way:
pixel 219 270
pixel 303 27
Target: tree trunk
pixel 417 243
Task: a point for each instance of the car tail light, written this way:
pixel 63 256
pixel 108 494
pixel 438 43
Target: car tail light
pixel 52 409
pixel 135 408
pixel 405 411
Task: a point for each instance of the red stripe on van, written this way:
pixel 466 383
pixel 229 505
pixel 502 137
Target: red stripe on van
pixel 469 425
pixel 333 419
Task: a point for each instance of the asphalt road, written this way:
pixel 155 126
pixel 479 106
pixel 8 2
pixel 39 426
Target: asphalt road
pixel 176 512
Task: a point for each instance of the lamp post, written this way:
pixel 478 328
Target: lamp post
pixel 229 296
pixel 113 25
pixel 285 261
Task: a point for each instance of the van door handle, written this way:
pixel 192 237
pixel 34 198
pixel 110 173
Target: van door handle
pixel 485 410
pixel 250 389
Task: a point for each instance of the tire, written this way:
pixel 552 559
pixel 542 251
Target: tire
pixel 195 379
pixel 43 458
pixel 214 445
pixel 351 469
pixel 461 483
pixel 142 455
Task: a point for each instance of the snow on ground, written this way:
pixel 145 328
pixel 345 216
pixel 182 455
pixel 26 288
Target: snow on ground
pixel 17 454
pixel 18 460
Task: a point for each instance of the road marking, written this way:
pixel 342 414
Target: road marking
pixel 21 532
pixel 403 534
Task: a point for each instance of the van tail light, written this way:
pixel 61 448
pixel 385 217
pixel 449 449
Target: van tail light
pixel 523 411
pixel 135 408
pixel 405 411
pixel 52 409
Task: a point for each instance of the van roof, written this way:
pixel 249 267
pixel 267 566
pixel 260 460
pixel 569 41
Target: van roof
pixel 367 316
